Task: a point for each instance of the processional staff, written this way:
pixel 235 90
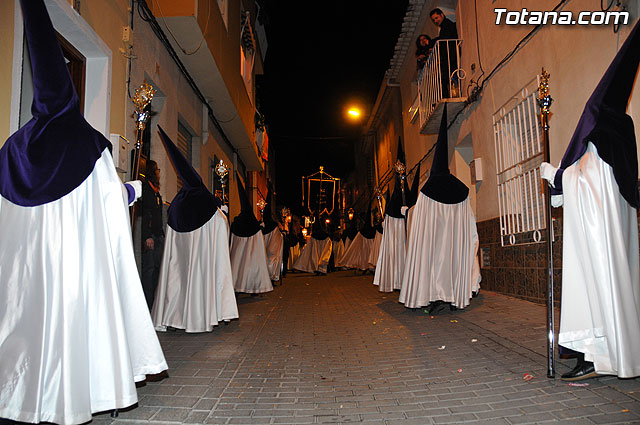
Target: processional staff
pixel 544 101
pixel 141 99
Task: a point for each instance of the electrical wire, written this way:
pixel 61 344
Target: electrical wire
pixel 185 51
pixel 147 16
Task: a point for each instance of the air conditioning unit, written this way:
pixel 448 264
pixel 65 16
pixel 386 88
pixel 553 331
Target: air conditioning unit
pixel 119 152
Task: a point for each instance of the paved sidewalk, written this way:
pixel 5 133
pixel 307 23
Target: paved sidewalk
pixel 332 349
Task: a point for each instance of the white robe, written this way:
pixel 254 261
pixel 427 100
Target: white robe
pixel 195 287
pixel 294 253
pixel 375 250
pixel 441 262
pixel 391 258
pixel 338 250
pixel 315 256
pixel 357 255
pixel 600 314
pixel 75 330
pixel 274 244
pixel 249 264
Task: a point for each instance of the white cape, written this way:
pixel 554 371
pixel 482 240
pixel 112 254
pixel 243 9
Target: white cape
pixel 75 330
pixel 274 244
pixel 315 256
pixel 375 250
pixel 338 250
pixel 441 262
pixel 600 314
pixel 356 256
pixel 249 264
pixel 391 257
pixel 195 287
pixel 294 253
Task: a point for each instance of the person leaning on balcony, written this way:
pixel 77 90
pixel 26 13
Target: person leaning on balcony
pixel 448 56
pixel 423 50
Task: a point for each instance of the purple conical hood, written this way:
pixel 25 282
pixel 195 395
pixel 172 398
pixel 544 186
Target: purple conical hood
pixel 57 149
pixel 193 205
pixel 394 204
pixel 605 123
pixel 415 187
pixel 244 224
pixel 441 185
pixel 267 219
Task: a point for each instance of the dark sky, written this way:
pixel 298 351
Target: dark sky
pixel 322 56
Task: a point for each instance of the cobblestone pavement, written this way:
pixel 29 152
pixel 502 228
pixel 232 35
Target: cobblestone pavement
pixel 332 349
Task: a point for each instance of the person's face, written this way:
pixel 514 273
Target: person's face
pixel 437 18
pixel 424 42
pixel 157 174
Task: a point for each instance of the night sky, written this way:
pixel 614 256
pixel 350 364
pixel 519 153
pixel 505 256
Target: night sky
pixel 321 57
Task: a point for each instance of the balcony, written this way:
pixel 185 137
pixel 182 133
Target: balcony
pixel 440 82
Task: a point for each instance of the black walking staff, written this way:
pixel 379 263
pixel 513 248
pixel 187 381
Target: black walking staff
pixel 544 101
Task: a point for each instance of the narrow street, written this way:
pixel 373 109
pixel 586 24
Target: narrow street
pixel 332 349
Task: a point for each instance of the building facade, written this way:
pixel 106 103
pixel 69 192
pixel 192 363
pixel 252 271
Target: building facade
pixel 495 137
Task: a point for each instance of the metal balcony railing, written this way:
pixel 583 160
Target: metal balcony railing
pixel 440 79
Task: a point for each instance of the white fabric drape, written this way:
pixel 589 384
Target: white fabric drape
pixel 441 262
pixel 391 258
pixel 375 250
pixel 600 314
pixel 315 256
pixel 294 253
pixel 75 330
pixel 338 250
pixel 195 287
pixel 249 264
pixel 356 256
pixel 274 244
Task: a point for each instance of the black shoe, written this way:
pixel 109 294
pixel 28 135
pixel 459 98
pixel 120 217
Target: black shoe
pixel 583 370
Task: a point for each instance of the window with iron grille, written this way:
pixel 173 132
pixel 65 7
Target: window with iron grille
pixel 519 152
pixel 185 145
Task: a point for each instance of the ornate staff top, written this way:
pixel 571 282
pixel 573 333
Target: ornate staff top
pixel 261 204
pixel 400 168
pixel 544 99
pixel 222 170
pixel 141 99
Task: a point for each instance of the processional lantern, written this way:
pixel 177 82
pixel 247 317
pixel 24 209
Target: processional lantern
pixel 320 192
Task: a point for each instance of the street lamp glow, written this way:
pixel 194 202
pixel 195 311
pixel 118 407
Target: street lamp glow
pixel 354 112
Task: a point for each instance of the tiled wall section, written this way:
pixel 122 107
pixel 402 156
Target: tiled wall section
pixel 521 270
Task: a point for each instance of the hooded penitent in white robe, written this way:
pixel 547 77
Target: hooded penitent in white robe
pixel 356 256
pixel 391 257
pixel 274 244
pixel 195 284
pixel 248 253
pixel 195 287
pixel 441 262
pixel 75 330
pixel 597 184
pixel 315 256
pixel 600 314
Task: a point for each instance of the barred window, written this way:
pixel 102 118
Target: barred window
pixel 519 153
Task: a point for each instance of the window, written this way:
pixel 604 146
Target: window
pixel 519 152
